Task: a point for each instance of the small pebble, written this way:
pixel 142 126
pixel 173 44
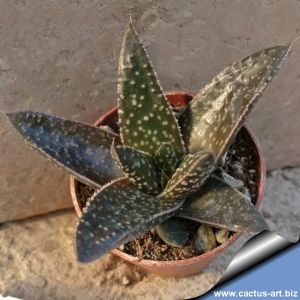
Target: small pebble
pixel 237 167
pixel 244 160
pixel 205 239
pixel 125 281
pixel 163 248
pixel 222 235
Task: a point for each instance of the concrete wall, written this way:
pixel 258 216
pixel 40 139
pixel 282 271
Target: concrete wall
pixel 61 57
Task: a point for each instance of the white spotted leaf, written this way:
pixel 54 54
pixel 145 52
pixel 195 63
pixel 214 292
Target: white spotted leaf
pixel 117 214
pixel 81 149
pixel 190 175
pixel 139 167
pixel 220 205
pixel 165 158
pixel 217 112
pixel 164 178
pixel 145 116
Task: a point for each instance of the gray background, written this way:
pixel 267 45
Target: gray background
pixel 62 56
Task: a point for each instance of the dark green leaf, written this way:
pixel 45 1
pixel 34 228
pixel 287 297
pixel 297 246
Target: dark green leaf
pixel 145 117
pixel 117 214
pixel 174 232
pixel 165 158
pixel 215 115
pixel 139 167
pixel 190 175
pixel 81 149
pixel 164 178
pixel 219 205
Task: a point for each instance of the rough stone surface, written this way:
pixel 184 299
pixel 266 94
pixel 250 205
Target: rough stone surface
pixel 36 267
pixel 281 207
pixel 37 259
pixel 62 58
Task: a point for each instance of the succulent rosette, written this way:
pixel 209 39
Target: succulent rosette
pixel 156 172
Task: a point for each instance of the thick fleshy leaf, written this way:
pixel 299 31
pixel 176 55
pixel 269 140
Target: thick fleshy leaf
pixel 164 178
pixel 190 175
pixel 215 115
pixel 139 167
pixel 117 214
pixel 219 205
pixel 145 117
pixel 165 158
pixel 175 231
pixel 81 149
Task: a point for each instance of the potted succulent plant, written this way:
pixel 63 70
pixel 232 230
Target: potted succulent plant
pixel 189 263
pixel 157 167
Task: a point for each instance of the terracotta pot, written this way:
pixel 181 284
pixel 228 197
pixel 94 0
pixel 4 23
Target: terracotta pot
pixel 194 265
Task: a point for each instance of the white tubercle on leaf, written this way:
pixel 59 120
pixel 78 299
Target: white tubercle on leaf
pixel 147 119
pixel 217 112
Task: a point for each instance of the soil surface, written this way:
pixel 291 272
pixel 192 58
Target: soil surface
pixel 151 246
pixel 238 163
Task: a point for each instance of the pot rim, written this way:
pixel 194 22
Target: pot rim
pixel 261 180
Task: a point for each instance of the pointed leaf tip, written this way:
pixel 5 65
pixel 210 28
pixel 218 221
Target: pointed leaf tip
pixel 14 117
pixel 115 215
pixel 145 117
pixel 219 205
pixel 81 149
pixel 130 21
pixel 217 112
